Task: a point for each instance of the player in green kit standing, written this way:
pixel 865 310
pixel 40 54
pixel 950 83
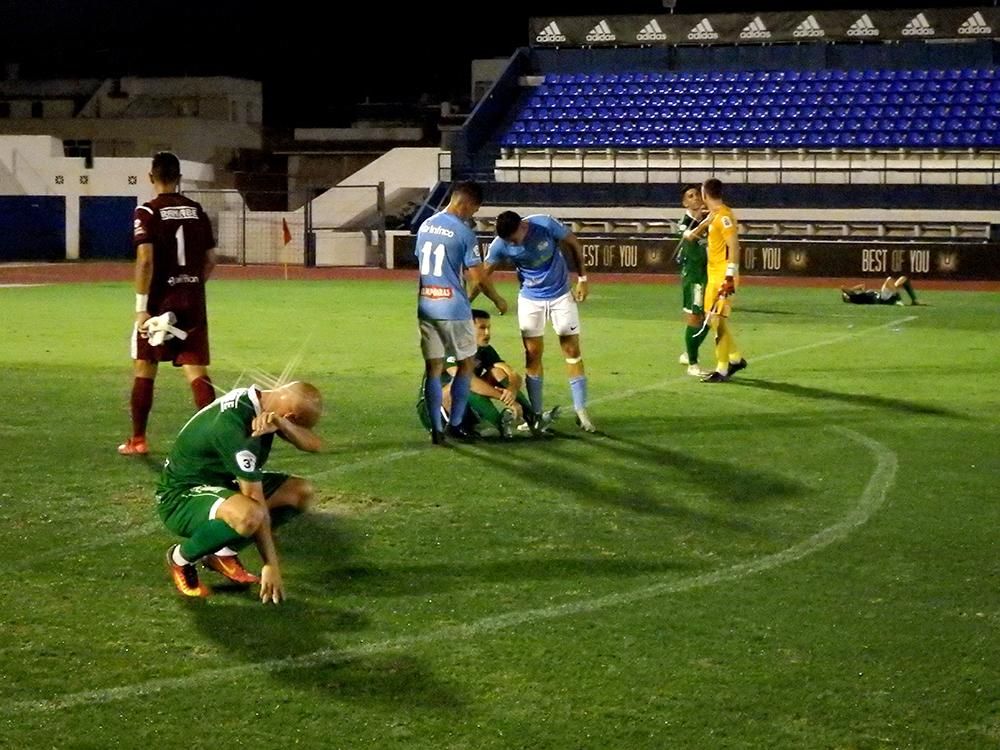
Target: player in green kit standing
pixel 693 257
pixel 214 492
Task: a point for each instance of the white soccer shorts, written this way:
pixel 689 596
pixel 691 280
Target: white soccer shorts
pixel 562 311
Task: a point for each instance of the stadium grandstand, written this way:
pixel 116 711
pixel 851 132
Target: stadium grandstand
pixel 838 134
pixel 827 127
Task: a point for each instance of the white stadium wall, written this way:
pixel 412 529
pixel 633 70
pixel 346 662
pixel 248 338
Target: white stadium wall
pixel 35 165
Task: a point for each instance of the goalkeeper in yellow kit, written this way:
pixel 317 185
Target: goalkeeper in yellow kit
pixel 723 267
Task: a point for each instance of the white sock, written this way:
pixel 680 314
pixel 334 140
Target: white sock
pixel 176 556
pixel 225 552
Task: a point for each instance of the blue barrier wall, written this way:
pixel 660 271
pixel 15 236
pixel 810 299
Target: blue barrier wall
pixel 32 227
pixel 106 226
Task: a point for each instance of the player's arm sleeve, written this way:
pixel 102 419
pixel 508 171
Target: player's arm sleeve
pixel 558 230
pixel 472 256
pixel 142 225
pixel 239 452
pixel 495 254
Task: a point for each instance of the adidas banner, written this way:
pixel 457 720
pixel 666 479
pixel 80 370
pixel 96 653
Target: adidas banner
pixel 761 28
pixel 806 259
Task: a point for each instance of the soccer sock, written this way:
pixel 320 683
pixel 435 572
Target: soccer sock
pixel 909 290
pixel 693 336
pixel 209 537
pixel 525 403
pixel 485 409
pixel 141 403
pixel 534 386
pixel 723 345
pixel 578 387
pixel 433 396
pixel 459 398
pixel 204 393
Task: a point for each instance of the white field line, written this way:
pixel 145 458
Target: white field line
pixel 871 500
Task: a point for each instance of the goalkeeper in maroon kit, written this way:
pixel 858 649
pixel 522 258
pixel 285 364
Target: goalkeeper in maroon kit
pixel 174 258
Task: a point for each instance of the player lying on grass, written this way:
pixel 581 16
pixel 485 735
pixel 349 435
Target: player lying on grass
pixel 495 396
pixel 887 295
pixel 214 492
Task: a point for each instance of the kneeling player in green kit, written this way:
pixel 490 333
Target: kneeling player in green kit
pixel 495 396
pixel 214 492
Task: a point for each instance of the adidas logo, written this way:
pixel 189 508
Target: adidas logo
pixel 551 33
pixel 809 27
pixel 601 33
pixel 918 26
pixel 863 27
pixel 975 24
pixel 755 30
pixel 651 32
pixel 703 30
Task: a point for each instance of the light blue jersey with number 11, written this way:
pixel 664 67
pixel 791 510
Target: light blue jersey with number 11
pixel 444 245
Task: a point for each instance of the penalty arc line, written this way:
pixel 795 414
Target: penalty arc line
pixel 872 498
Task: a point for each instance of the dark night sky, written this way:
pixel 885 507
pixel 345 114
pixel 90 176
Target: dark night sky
pixel 311 71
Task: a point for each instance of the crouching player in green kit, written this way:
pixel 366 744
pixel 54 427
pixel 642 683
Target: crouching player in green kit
pixel 214 492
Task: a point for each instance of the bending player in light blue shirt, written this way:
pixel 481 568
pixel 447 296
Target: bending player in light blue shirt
pixel 535 246
pixel 446 245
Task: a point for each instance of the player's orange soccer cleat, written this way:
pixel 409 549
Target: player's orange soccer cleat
pixel 185 577
pixel 134 446
pixel 231 567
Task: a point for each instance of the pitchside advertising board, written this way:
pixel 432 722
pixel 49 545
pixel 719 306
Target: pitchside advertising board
pixel 806 259
pixel 750 28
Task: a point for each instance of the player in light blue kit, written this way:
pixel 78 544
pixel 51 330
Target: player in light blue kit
pixel 535 246
pixel 446 245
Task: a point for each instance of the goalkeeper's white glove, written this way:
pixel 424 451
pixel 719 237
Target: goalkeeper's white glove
pixel 161 328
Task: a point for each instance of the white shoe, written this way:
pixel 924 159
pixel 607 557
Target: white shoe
pixel 696 371
pixel 683 359
pixel 583 419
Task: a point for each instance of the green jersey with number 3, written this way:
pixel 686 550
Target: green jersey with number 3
pixel 215 447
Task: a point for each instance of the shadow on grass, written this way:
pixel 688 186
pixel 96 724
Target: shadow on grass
pixel 856 399
pixel 629 474
pixel 252 632
pixel 761 311
pixel 396 580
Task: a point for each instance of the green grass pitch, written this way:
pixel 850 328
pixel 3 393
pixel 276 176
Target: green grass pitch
pixel 806 557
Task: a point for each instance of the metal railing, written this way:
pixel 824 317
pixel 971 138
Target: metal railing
pixel 742 166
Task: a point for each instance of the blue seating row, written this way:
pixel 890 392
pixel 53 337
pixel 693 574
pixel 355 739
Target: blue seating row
pixel 896 108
